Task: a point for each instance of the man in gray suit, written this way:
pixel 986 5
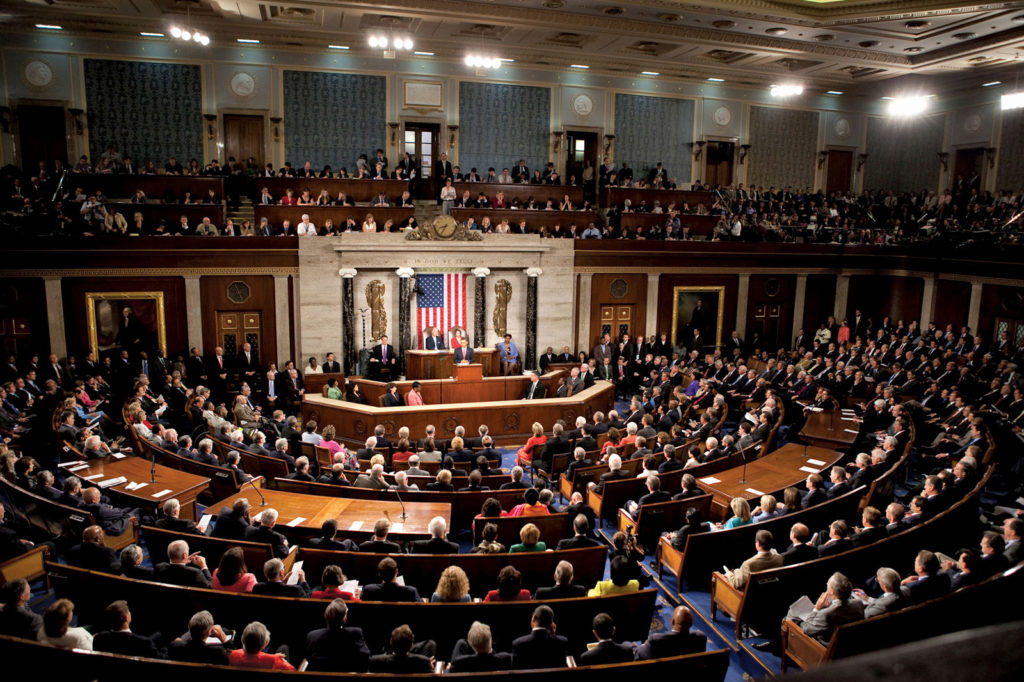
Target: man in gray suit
pixel 834 608
pixel 891 599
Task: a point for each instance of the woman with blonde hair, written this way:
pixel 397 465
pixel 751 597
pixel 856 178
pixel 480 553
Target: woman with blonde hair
pixel 768 509
pixel 529 540
pixel 526 453
pixel 369 224
pixel 740 513
pixel 453 586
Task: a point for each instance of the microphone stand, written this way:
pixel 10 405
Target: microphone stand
pixel 403 516
pixel 743 476
pixel 263 500
pixel 152 468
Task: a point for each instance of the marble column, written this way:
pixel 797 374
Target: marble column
pixel 282 304
pixel 652 305
pixel 927 301
pixel 405 287
pixel 55 316
pixel 348 320
pixel 799 303
pixel 842 297
pixel 480 307
pixel 194 314
pixel 583 312
pixel 530 358
pixel 974 307
pixel 742 293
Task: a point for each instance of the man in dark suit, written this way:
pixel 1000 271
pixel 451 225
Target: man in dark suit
pixel 232 523
pixel 16 618
pixel 265 533
pixel 614 473
pixel 247 365
pixel 92 553
pixel 112 519
pixel 463 354
pixel 275 585
pixel 337 648
pixel 563 587
pixel 331 365
pixel 578 507
pixel 607 651
pixel 119 639
pixel 872 528
pixel 928 582
pixel 799 551
pixel 401 661
pixel 195 649
pixel 837 542
pixel 382 357
pixel 329 538
pixel 437 544
pixel 387 589
pixel 442 170
pixel 218 369
pixel 840 486
pixel 182 568
pixel 680 641
pixel 579 460
pixel 380 543
pixel 435 341
pixel 542 648
pixel 475 653
pixel 815 492
pixel 581 539
pixel 171 519
pixel 535 390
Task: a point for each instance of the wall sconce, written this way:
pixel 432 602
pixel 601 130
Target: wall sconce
pixel 211 129
pixel 744 150
pixel 452 136
pixel 276 130
pixel 557 146
pixel 944 160
pixel 861 158
pixel 608 139
pixel 822 157
pixel 698 149
pixel 394 132
pixel 76 118
pixel 990 155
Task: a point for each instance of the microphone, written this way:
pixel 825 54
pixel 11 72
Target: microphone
pixel 152 468
pixel 743 476
pixel 404 516
pixel 263 500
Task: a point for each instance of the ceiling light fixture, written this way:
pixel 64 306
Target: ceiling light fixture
pixel 578 66
pixel 990 84
pixel 337 47
pixel 908 106
pixel 833 92
pixel 393 43
pixel 1014 100
pixel 251 41
pixel 149 34
pixel 50 27
pixel 478 62
pixel 650 73
pixel 189 34
pixel 424 54
pixel 717 80
pixel 786 90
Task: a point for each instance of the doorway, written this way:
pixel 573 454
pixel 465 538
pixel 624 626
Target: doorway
pixel 422 143
pixel 718 158
pixel 617 320
pixel 580 147
pixel 768 324
pixel 839 171
pixel 969 164
pixel 43 135
pixel 243 137
pixel 235 329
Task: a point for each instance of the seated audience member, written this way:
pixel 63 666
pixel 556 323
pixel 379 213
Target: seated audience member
pixel 767 509
pixel 256 638
pixel 607 651
pixel 337 648
pixel 388 588
pixel 891 599
pixel 620 581
pixel 301 472
pixel 57 631
pixel 563 587
pixel 654 495
pixel 625 546
pixel 329 538
pixel 799 549
pixel 531 505
pixel 195 647
pixel 16 618
pixel 928 581
pixel 836 606
pixel 765 559
pixel 489 543
pixel 517 480
pixel 331 581
pixel 131 564
pixel 475 654
pixel 837 542
pixel 542 648
pixel 442 482
pixel 92 553
pixel 680 641
pixel 529 540
pixel 452 586
pixel 510 586
pixel 579 461
pixel 276 584
pixel 182 568
pixel 401 660
pixel 695 523
pixel 265 533
pixel 172 521
pixel 437 544
pixel 581 537
pixel 232 524
pixel 373 479
pixel 118 638
pixel 380 543
pixel 231 575
pixel 740 514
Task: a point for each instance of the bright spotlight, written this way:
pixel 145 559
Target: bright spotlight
pixel 786 90
pixel 374 42
pixel 908 106
pixel 1014 100
pixel 175 31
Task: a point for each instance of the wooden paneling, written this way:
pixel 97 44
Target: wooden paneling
pixel 616 195
pixel 1002 302
pixel 214 294
pixel 775 294
pixel 879 295
pixel 666 299
pixel 534 219
pixel 243 137
pixel 952 303
pixel 23 316
pixel 539 193
pixel 275 215
pixel 819 302
pixel 356 190
pixel 634 299
pixel 75 322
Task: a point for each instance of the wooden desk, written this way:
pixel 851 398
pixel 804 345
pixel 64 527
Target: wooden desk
pixel 614 196
pixel 766 475
pixel 437 364
pixel 314 383
pixel 509 419
pixel 315 509
pixel 539 193
pixel 356 190
pixel 534 219
pixel 115 185
pixel 700 225
pixel 153 213
pixel 829 430
pixel 183 486
pixel 444 391
pixel 338 215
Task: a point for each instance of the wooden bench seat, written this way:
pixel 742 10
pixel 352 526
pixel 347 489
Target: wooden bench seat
pixel 651 520
pixel 223 482
pixel 212 549
pixel 553 527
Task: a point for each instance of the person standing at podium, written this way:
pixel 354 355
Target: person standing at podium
pixel 435 341
pixel 464 354
pixel 509 355
pixel 382 356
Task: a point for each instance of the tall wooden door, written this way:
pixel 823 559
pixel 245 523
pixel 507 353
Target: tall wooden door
pixel 617 320
pixel 580 147
pixel 718 157
pixel 969 162
pixel 237 328
pixel 422 142
pixel 243 137
pixel 768 325
pixel 839 170
pixel 1014 330
pixel 43 136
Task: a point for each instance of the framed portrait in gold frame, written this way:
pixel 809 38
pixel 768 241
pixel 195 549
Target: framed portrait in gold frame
pixel 697 309
pixel 126 320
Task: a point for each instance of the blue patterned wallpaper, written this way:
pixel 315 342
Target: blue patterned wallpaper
pixel 332 118
pixel 1011 150
pixel 500 124
pixel 652 129
pixel 784 147
pixel 902 153
pixel 146 110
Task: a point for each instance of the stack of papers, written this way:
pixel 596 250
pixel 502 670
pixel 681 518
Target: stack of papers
pixel 293 577
pixel 816 462
pixel 92 478
pixel 810 470
pixel 754 491
pixel 161 493
pixel 110 482
pixel 135 486
pixel 296 521
pixel 356 525
pixel 204 522
pixel 710 480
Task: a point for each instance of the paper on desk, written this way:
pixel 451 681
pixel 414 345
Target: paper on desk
pixel 204 522
pixel 73 463
pixel 853 431
pixel 296 521
pixel 356 525
pixel 809 470
pixel 79 467
pixel 118 455
pixel 710 480
pixel 135 486
pixel 293 577
pixel 111 482
pixel 161 493
pixel 816 462
pixel 754 491
pixel 397 527
pixel 92 478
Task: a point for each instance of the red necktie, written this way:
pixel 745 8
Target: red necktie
pixel 220 361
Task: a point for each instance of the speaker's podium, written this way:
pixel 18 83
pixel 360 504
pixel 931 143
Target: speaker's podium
pixel 471 372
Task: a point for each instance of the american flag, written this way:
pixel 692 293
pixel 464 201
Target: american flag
pixel 442 303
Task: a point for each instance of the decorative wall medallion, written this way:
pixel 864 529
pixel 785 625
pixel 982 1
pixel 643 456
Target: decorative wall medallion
pixel 771 287
pixel 582 105
pixel 389 428
pixel 243 85
pixel 449 424
pixel 511 421
pixel 722 116
pixel 38 74
pixel 360 427
pixel 843 128
pixel 238 292
pixel 972 122
pixel 619 288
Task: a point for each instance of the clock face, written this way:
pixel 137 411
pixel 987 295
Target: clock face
pixel 722 116
pixel 582 105
pixel 243 84
pixel 445 228
pixel 38 73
